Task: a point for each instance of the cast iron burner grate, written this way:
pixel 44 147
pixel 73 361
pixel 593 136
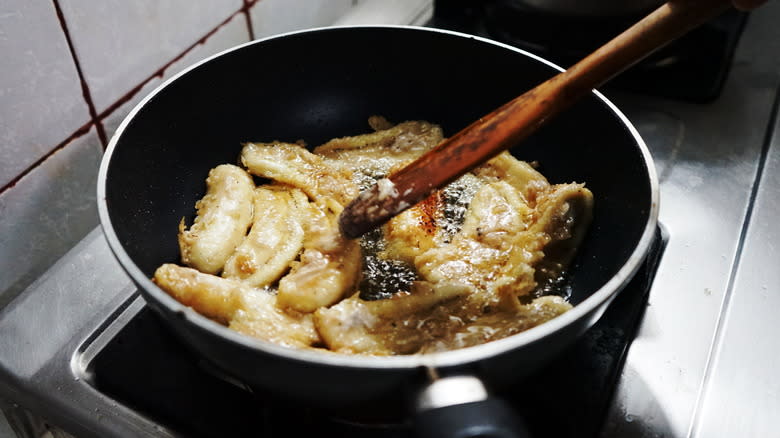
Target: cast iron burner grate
pixel 171 385
pixel 693 68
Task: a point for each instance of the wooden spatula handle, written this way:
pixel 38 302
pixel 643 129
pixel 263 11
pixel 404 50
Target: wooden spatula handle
pixel 520 117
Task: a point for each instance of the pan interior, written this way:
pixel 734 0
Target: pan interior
pixel 323 84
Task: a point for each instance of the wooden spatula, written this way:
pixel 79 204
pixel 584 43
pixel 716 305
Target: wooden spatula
pixel 517 119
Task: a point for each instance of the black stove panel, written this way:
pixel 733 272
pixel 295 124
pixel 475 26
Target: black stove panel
pixel 693 68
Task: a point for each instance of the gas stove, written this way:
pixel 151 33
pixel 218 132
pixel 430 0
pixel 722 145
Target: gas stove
pixel 81 351
pixel 693 68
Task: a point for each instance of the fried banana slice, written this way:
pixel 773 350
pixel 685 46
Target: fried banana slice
pixel 401 324
pixel 347 328
pixel 564 211
pixel 424 321
pixel 500 325
pixel 293 165
pixel 414 231
pixel 373 156
pixel 403 138
pixel 211 296
pixel 491 249
pixel 319 279
pixel 261 318
pixel 245 309
pixel 274 241
pixel 224 215
pixel 518 174
pixel 329 266
pixel 564 214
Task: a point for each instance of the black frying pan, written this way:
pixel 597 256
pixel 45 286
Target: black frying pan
pixel 320 84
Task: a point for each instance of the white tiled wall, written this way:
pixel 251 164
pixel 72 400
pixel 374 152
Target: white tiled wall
pixel 270 17
pixel 71 71
pixel 50 142
pixel 40 96
pixel 47 211
pixel 121 43
pixel 233 32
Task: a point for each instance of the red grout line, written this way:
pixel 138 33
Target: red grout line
pixel 84 88
pixel 159 73
pixel 79 132
pixel 97 118
pixel 247 5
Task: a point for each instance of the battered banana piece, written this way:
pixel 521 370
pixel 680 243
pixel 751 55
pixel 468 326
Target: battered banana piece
pixel 224 215
pixel 472 284
pixel 474 262
pixel 275 240
pixel 245 309
pixel 329 266
pixel 518 174
pixel 492 250
pixel 385 327
pixel 404 139
pixel 292 164
pixel 424 321
pixel 414 231
pixel 374 154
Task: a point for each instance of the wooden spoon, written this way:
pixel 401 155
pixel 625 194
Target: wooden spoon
pixel 517 119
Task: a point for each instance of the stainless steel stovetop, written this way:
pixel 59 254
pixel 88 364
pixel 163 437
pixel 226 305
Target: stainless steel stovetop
pixel 705 359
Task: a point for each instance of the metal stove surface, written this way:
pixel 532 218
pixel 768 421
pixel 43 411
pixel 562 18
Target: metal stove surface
pixel 703 362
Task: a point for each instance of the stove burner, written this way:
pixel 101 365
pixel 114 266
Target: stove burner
pixel 146 368
pixel 693 68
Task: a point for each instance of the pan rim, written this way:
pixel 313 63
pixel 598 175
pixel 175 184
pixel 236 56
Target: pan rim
pixel 434 360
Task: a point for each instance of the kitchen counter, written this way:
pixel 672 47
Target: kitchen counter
pixel 705 359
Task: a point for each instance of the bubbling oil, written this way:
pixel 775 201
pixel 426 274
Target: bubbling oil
pixel 383 277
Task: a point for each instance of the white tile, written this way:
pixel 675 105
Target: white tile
pixel 41 103
pixel 413 12
pixel 112 121
pixel 270 17
pixel 47 212
pixel 121 43
pixel 233 33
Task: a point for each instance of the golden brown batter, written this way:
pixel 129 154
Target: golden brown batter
pixel 461 268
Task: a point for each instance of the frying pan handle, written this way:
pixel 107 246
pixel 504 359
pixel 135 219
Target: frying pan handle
pixel 460 407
